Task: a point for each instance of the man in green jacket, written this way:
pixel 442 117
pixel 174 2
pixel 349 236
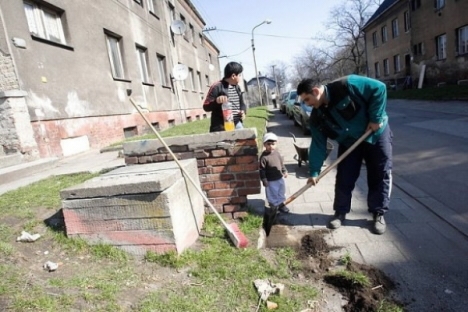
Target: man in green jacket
pixel 343 110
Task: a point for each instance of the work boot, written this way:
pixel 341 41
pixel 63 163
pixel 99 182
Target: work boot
pixel 284 209
pixel 379 223
pixel 337 220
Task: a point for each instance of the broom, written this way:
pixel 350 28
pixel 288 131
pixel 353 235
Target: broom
pixel 237 237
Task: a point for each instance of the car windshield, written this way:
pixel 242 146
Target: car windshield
pixel 292 95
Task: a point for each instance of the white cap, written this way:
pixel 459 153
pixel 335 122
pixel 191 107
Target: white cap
pixel 270 136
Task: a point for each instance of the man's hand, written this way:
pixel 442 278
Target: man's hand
pixel 285 175
pixel 374 126
pixel 221 99
pixel 242 114
pixel 312 180
pixel 265 183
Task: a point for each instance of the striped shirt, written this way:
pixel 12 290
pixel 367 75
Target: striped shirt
pixel 233 97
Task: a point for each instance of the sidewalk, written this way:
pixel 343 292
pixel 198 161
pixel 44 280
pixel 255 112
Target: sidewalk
pixel 425 255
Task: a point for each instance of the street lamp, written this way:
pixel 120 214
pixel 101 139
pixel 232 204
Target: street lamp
pixel 255 62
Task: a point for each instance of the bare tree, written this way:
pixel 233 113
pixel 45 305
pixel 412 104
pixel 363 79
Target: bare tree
pixel 347 42
pixel 311 63
pixel 280 72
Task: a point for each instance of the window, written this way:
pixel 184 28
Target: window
pixel 199 81
pixel 407 21
pixel 162 69
pixel 396 63
pixel 140 2
pixel 142 55
pixel 44 22
pixel 377 69
pixel 418 49
pixel 384 34
pixel 374 38
pixel 209 59
pixel 192 79
pixel 386 67
pixel 182 18
pixel 202 41
pixel 441 47
pixel 207 79
pixel 115 55
pixel 395 28
pixel 191 34
pixel 172 14
pixel 153 7
pixel 415 4
pixel 439 4
pixel 462 40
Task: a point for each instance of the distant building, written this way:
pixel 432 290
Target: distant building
pixel 403 35
pixel 264 81
pixel 68 69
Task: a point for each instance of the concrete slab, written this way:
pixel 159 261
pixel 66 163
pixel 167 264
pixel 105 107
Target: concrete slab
pixel 12 173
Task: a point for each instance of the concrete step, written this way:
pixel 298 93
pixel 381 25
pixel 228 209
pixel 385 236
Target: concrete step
pixel 16 172
pixel 10 160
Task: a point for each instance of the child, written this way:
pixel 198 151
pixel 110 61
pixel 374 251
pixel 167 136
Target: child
pixel 273 172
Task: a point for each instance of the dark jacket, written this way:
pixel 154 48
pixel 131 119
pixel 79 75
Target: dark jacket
pixel 209 105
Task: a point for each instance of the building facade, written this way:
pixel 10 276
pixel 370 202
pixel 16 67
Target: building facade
pixel 409 40
pixel 69 68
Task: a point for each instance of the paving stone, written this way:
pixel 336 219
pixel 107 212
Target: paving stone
pixel 375 253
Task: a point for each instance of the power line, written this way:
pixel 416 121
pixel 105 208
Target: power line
pixel 267 35
pixel 229 56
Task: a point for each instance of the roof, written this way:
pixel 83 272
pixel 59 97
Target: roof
pixel 387 4
pixel 254 80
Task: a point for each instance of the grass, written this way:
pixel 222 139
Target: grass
pixel 448 92
pixel 256 118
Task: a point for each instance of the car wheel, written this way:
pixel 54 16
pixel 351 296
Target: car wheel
pixel 295 122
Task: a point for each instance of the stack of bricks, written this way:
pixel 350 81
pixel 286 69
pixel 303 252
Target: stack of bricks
pixel 227 164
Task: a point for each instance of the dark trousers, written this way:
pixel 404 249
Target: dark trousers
pixel 378 160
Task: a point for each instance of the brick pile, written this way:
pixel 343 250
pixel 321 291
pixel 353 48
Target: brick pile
pixel 227 164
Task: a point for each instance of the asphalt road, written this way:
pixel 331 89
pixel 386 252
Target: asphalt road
pixel 430 148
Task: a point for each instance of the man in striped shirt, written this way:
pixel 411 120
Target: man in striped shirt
pixel 226 90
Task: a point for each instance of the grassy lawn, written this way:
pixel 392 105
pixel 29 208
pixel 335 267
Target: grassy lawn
pixel 449 92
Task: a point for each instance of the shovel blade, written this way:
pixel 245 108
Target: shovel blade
pixel 269 218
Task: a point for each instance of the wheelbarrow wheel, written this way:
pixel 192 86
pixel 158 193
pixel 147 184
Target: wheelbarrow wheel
pixel 299 163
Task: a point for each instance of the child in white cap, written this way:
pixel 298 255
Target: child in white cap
pixel 273 172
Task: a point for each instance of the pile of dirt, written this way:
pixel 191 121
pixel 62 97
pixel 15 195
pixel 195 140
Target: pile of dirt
pixel 314 254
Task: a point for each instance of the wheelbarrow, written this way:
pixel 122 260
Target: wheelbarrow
pixel 302 150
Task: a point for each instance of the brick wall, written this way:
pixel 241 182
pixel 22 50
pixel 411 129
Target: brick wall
pixel 227 164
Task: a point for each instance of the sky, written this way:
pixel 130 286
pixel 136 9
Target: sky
pixel 294 23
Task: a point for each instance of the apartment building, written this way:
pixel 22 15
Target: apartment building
pixel 69 69
pixel 411 39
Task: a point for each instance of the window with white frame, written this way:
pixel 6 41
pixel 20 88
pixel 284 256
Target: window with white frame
pixel 386 68
pixel 439 4
pixel 115 55
pixel 407 21
pixel 395 28
pixel 384 34
pixel 374 38
pixel 396 63
pixel 192 78
pixel 462 40
pixel 142 55
pixel 44 22
pixel 377 69
pixel 162 69
pixel 153 7
pixel 441 47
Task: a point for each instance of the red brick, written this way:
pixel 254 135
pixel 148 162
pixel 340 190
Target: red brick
pixel 226 176
pixel 222 185
pixel 221 193
pixel 252 183
pixel 131 160
pixel 219 161
pixel 200 163
pixel 243 167
pixel 201 154
pixel 216 177
pixel 158 157
pixel 248 190
pixel 246 159
pixel 219 169
pixel 144 159
pixel 248 142
pixel 207 186
pixel 218 153
pixel 231 208
pixel 239 200
pixel 186 155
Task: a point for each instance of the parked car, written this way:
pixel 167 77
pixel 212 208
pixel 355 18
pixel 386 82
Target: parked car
pixel 301 115
pixel 289 101
pixel 282 102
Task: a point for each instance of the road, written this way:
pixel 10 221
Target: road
pixel 430 148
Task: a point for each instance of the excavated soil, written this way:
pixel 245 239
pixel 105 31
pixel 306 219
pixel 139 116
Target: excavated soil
pixel 314 254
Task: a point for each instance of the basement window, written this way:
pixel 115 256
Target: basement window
pixel 130 132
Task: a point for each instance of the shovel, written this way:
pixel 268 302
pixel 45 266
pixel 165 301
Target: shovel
pixel 269 216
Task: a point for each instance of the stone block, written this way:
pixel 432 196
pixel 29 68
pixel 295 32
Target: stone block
pixel 138 208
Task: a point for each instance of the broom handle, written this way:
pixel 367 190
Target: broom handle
pixel 328 169
pixel 196 185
